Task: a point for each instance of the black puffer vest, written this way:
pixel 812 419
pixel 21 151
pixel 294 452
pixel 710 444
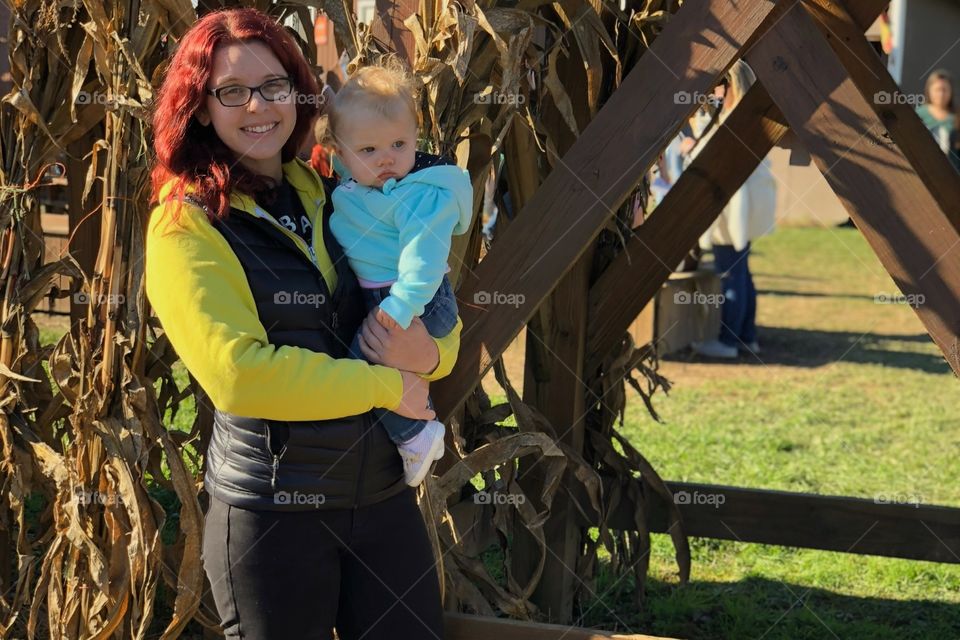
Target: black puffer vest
pixel 295 466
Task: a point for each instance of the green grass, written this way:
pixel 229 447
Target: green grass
pixel 849 397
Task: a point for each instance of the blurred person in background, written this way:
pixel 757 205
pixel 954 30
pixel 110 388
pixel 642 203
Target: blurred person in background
pixel 940 115
pixel 748 215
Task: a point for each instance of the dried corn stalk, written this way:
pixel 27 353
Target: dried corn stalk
pixel 79 457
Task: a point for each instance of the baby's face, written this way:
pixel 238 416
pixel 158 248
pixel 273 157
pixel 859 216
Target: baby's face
pixel 375 148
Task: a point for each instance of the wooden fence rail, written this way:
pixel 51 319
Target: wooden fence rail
pixel 890 525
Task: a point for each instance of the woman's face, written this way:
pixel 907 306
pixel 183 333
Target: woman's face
pixel 257 131
pixel 940 93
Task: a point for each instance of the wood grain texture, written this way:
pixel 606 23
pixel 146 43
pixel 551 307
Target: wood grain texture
pixel 915 240
pixel 899 117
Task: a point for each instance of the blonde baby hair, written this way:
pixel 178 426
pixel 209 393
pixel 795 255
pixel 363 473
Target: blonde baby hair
pixel 387 88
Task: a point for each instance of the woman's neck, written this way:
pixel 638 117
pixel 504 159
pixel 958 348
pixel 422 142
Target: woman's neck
pixel 269 168
pixel 940 113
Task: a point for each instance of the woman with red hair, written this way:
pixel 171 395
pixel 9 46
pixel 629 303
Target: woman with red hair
pixel 310 525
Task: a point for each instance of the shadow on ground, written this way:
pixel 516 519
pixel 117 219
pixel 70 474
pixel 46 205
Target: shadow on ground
pixel 755 608
pixel 812 348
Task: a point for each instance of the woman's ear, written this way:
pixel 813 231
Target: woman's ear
pixel 202 116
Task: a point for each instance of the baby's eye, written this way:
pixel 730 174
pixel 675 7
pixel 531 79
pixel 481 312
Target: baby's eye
pixel 398 144
pixel 366 150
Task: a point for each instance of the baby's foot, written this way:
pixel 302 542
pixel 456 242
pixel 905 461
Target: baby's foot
pixel 420 451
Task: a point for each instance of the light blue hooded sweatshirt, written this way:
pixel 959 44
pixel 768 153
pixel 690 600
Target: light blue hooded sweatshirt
pixel 401 232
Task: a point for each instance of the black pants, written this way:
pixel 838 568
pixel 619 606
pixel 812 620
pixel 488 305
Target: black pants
pixel 281 575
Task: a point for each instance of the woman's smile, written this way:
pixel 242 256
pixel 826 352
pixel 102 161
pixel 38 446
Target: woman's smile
pixel 260 130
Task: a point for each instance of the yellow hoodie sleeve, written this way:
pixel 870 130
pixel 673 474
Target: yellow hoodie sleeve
pixel 200 294
pixel 449 347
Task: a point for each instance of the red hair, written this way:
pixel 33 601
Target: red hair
pixel 192 154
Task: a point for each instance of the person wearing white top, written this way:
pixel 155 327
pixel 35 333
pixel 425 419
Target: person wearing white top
pixel 749 215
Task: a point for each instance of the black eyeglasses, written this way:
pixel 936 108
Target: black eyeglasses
pixel 235 95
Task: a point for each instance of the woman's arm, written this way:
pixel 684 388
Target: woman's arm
pixel 200 293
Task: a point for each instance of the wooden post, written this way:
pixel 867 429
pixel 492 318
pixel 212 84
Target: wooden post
pixel 554 384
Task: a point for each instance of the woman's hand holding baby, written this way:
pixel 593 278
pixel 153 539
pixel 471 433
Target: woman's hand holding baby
pixel 410 349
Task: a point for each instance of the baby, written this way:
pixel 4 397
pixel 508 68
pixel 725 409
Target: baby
pixel 394 213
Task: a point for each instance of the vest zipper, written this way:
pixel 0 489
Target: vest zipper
pixel 297 240
pixel 276 457
pixel 273 476
pixel 334 322
pixel 302 245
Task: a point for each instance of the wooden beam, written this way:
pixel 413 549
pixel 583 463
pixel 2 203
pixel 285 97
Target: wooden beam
pixel 900 118
pixel 607 161
pixel 655 248
pixel 554 383
pixel 459 626
pixel 388 26
pixel 918 244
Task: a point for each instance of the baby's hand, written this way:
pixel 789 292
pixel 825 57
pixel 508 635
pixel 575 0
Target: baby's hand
pixel 385 319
